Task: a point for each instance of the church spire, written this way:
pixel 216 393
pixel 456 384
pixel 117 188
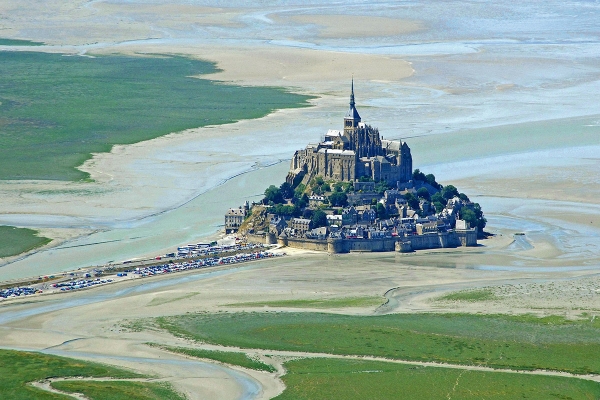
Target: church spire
pixel 352 94
pixel 352 118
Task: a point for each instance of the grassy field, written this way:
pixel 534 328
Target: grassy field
pixel 18 368
pixel 15 241
pixel 119 390
pixel 341 302
pixel 495 341
pixel 331 379
pixel 55 110
pixel 227 357
pixel 470 295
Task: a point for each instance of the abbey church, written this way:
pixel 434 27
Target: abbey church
pixel 356 152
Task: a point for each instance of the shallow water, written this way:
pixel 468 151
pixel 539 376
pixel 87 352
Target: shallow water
pixel 478 67
pixel 76 299
pixel 249 388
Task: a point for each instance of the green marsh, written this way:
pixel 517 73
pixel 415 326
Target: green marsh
pixel 226 357
pixel 523 343
pixel 55 110
pixel 15 241
pixel 119 390
pixel 332 379
pixel 18 369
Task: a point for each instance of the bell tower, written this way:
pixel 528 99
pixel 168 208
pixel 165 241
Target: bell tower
pixel 352 118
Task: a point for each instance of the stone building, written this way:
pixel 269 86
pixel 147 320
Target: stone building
pixel 233 219
pixel 355 152
pixel 300 225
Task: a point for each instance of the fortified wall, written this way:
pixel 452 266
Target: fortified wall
pixel 435 240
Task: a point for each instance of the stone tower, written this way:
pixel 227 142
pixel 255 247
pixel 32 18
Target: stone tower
pixel 357 151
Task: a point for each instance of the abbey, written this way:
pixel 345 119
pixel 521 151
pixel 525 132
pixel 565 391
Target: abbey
pixel 356 152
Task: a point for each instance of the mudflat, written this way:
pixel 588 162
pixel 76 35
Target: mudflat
pixel 504 115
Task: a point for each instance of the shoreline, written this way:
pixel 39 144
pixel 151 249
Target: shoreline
pixel 137 270
pixel 209 230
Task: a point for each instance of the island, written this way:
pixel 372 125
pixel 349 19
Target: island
pixel 355 191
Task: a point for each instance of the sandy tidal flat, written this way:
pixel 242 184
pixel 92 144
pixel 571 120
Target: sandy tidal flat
pixel 100 324
pixel 434 74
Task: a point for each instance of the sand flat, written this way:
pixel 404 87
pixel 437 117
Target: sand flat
pixel 352 26
pixel 415 79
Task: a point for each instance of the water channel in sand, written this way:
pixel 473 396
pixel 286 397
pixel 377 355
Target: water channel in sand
pixel 499 99
pixel 475 68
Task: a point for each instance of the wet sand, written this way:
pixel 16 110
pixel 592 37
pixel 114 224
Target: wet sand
pixel 418 81
pixel 94 324
pixel 504 113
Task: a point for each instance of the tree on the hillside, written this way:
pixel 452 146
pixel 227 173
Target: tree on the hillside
pixel 474 217
pixel 469 216
pixel 412 201
pixel 286 190
pixel 419 176
pixel 423 193
pixel 285 209
pixel 430 178
pixel 481 221
pixel 381 187
pixel 437 197
pixel 449 192
pixel 463 197
pixel 438 206
pixel 273 195
pixel 338 199
pixel 300 189
pixel 319 219
pixel 381 211
pixel 300 200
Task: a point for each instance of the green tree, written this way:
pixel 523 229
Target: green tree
pixel 438 206
pixel 481 221
pixel 300 189
pixel 285 209
pixel 463 197
pixel 423 193
pixel 474 217
pixel 430 178
pixel 381 211
pixel 419 176
pixel 437 198
pixel 273 195
pixel 286 190
pixel 412 201
pixel 300 200
pixel 449 192
pixel 381 187
pixel 338 199
pixel 469 216
pixel 319 219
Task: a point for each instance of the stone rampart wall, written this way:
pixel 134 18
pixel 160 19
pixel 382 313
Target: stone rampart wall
pixel 416 242
pixel 253 238
pixel 356 245
pixel 302 243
